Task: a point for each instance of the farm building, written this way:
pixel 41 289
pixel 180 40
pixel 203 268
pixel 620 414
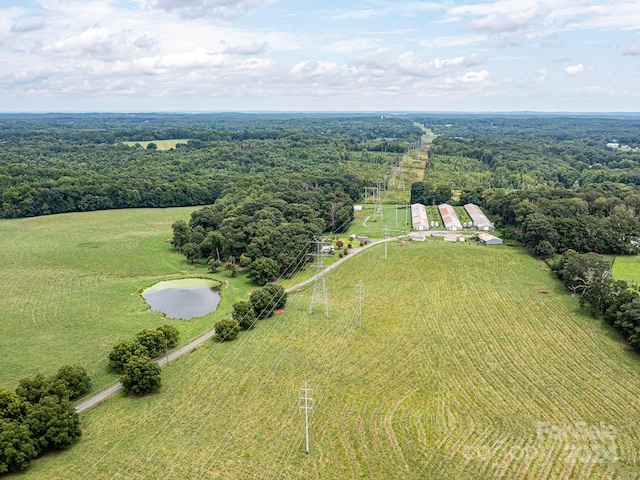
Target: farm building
pixel 480 220
pixel 416 237
pixel 454 237
pixel 449 217
pixel 488 239
pixel 419 217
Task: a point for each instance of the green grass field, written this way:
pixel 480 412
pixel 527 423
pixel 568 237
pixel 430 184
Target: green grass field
pixel 161 144
pixel 626 268
pixel 70 287
pixel 472 362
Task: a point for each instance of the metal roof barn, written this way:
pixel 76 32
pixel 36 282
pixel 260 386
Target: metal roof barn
pixel 488 239
pixel 449 217
pixel 419 217
pixel 480 220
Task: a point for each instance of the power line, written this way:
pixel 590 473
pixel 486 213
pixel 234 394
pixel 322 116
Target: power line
pixel 306 406
pixel 320 294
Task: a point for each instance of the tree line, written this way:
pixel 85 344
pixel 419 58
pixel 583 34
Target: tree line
pixel 38 416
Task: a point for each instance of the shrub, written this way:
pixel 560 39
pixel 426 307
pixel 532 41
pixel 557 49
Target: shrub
pixel 227 329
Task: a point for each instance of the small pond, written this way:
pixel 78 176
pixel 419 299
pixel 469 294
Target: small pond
pixel 183 299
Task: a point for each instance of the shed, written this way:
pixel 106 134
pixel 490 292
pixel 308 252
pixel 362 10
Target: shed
pixel 454 237
pixel 416 237
pixel 488 239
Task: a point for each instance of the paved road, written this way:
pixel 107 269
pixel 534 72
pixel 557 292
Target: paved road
pixel 113 390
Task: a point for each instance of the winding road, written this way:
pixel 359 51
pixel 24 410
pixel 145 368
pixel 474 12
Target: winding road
pixel 100 397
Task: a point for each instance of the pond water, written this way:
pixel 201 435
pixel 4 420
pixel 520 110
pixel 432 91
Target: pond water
pixel 183 299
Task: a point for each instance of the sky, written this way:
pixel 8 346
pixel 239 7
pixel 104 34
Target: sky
pixel 311 55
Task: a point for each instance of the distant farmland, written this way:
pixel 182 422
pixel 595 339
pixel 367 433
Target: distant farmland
pixel 161 144
pixel 472 362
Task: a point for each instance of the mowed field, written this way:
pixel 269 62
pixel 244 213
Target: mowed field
pixel 472 362
pixel 70 287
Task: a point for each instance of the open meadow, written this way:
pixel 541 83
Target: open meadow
pixel 70 287
pixel 471 362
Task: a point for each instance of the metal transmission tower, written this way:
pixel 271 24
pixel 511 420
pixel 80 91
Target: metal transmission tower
pixel 360 296
pixel 306 406
pixel 320 294
pixel 377 213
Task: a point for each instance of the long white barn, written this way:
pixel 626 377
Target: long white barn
pixel 480 220
pixel 419 217
pixel 449 217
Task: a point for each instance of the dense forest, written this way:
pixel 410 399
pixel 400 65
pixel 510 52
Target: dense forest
pixel 69 163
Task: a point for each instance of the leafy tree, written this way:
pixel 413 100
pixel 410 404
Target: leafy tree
pixel 171 334
pixel 263 303
pixel 277 293
pixel 227 329
pixel 154 341
pixel 32 389
pixel 263 270
pixel 75 379
pixel 122 351
pixel 54 423
pixel 141 375
pixel 245 261
pixel 628 321
pixel 16 446
pixel 181 234
pixel 152 146
pixel 543 250
pixel 418 193
pixel 191 251
pixel 214 265
pixel 12 405
pixel 232 268
pixel 538 228
pixel 243 314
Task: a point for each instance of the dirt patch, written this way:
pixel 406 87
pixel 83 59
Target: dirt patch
pixel 278 311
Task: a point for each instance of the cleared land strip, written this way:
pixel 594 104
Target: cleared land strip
pixel 165 360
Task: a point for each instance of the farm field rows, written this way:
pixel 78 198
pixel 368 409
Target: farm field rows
pixel 468 361
pixel 70 287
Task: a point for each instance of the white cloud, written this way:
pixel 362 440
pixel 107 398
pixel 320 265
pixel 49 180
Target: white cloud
pixel 500 22
pixel 574 69
pixel 633 49
pixel 28 25
pixel 221 9
pixel 94 42
pixel 474 77
pixel 542 74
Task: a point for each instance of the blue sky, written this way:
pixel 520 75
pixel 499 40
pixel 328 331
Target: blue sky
pixel 372 55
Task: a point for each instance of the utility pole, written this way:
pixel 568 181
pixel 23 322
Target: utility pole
pixel 320 294
pixel 386 241
pixel 360 293
pixel 306 406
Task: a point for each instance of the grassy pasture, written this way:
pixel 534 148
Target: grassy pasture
pixel 70 287
pixel 161 144
pixel 468 358
pixel 627 268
